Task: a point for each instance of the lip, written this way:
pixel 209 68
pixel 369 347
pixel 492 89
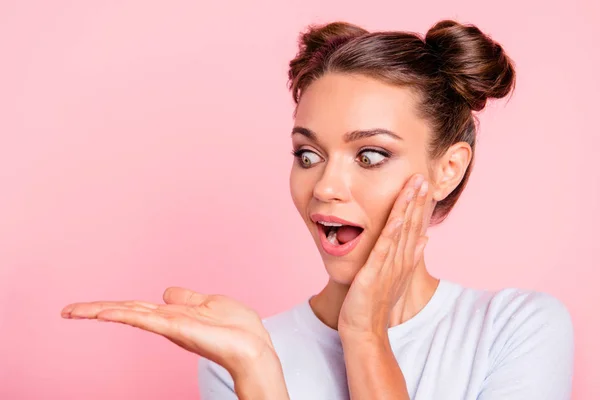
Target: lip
pixel 330 218
pixel 336 251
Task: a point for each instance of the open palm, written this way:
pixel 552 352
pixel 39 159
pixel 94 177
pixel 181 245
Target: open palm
pixel 216 327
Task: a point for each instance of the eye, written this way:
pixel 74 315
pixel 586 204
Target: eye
pixel 372 158
pixel 306 158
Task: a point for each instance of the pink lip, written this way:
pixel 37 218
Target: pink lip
pixel 337 251
pixel 329 218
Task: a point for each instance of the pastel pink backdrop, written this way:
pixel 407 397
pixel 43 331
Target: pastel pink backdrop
pixel 146 144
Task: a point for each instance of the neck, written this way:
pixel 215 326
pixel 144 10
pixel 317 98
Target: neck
pixel 328 303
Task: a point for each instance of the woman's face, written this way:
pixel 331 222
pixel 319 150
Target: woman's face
pixel 357 141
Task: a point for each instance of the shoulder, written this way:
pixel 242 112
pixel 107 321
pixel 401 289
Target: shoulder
pixel 527 311
pixel 529 345
pixel 526 339
pixel 515 322
pixel 514 306
pixel 529 320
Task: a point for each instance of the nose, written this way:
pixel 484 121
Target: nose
pixel 333 186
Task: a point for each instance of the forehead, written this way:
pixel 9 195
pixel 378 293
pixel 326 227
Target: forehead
pixel 339 103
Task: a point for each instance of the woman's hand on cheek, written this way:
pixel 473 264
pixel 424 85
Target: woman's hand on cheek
pixel 215 327
pixel 381 282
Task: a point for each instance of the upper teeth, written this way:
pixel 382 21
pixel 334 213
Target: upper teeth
pixel 330 223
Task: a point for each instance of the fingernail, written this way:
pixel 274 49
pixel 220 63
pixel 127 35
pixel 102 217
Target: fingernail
pixel 419 180
pixel 410 194
pixel 68 308
pixel 423 189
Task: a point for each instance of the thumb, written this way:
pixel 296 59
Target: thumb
pixel 182 296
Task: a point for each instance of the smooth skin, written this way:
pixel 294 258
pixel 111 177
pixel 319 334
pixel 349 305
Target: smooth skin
pixel 371 366
pixel 349 179
pixel 381 283
pixel 232 335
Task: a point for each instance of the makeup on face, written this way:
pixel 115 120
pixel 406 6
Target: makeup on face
pixel 355 141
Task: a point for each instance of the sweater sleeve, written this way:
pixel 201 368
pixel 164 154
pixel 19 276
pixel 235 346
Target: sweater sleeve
pixel 532 354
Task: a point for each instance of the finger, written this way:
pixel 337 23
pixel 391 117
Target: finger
pixel 407 282
pixel 170 310
pixel 389 234
pixel 420 249
pixel 408 191
pixel 67 309
pixel 405 228
pixel 396 236
pixel 177 295
pixel 173 326
pixel 92 309
pixel 176 327
pixel 412 232
pixel 156 322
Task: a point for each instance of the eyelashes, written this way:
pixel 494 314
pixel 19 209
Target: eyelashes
pixel 303 158
pixel 373 158
pixel 367 158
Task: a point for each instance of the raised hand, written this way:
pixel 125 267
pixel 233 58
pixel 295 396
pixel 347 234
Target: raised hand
pixel 215 327
pixel 381 282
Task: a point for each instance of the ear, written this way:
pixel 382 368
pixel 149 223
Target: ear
pixel 450 169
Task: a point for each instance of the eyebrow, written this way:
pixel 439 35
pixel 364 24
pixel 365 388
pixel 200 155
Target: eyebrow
pixel 348 137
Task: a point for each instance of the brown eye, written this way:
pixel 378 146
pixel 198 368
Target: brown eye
pixel 371 158
pixel 307 158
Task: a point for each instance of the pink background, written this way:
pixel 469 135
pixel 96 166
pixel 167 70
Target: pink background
pixel 146 144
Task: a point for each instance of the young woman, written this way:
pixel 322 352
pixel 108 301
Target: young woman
pixel 383 140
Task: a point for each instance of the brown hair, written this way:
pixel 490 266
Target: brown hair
pixel 454 69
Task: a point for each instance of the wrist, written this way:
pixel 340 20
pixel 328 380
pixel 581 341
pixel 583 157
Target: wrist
pixel 371 368
pixel 260 378
pixel 373 340
pixel 366 347
pixel 252 359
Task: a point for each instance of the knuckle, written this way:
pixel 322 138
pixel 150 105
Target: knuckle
pixel 210 302
pixel 193 298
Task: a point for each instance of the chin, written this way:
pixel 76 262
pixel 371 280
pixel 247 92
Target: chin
pixel 341 271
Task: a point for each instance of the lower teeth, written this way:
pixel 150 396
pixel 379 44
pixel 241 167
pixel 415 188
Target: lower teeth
pixel 332 237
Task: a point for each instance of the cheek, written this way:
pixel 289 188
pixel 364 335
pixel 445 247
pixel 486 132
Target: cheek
pixel 300 188
pixel 377 195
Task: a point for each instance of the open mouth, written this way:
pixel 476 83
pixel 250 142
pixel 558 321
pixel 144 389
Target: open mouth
pixel 339 234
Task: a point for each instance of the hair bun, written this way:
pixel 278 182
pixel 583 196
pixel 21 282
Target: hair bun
pixel 320 35
pixel 318 41
pixel 477 68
